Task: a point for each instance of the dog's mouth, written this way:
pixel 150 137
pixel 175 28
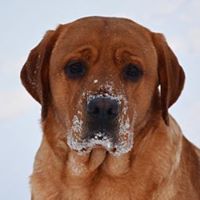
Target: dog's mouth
pixel 121 146
pixel 99 141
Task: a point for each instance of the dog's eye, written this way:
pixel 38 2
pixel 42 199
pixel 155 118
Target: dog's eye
pixel 75 69
pixel 132 72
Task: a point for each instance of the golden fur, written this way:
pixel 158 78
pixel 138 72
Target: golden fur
pixel 162 164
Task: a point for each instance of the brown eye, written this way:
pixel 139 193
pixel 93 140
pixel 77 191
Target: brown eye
pixel 75 69
pixel 132 72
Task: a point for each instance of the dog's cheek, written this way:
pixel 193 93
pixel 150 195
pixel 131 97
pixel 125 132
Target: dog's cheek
pixel 140 100
pixel 67 101
pixel 145 105
pixel 60 98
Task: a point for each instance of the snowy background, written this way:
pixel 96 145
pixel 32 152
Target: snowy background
pixel 23 24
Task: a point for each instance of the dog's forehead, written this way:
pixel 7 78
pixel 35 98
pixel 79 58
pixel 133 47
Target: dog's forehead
pixel 105 40
pixel 97 30
pixel 103 25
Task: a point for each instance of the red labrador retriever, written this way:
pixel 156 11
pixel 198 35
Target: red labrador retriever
pixel 105 86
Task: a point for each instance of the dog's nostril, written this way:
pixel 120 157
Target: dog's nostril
pixel 93 110
pixel 103 108
pixel 96 111
pixel 113 110
pixel 110 111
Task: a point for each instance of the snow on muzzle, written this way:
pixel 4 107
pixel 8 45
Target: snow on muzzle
pixel 106 125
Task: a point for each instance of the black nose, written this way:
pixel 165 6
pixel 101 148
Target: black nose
pixel 103 108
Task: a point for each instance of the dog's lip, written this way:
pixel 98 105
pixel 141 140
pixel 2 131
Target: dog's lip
pixel 99 146
pixel 105 142
pixel 96 146
pixel 88 149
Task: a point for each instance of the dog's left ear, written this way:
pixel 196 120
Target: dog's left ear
pixel 170 73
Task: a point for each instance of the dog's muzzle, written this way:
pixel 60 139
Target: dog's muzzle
pixel 102 117
pixel 103 123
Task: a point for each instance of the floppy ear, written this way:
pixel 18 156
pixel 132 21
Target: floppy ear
pixel 170 73
pixel 35 72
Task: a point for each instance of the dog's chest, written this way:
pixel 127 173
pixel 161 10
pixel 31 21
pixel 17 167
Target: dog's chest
pixel 98 193
pixel 107 188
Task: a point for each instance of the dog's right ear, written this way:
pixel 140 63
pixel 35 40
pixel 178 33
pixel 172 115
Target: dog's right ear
pixel 35 72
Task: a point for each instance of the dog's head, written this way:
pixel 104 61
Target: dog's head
pixel 103 79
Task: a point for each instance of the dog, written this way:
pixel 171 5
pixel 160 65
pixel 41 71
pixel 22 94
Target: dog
pixel 105 86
